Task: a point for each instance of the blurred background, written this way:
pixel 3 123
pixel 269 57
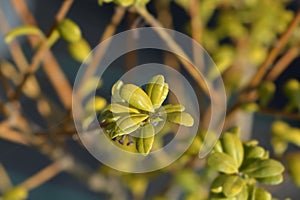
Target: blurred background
pixel 237 34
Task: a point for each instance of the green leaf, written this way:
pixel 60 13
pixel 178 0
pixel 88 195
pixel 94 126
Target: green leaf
pixel 272 180
pixel 181 118
pixel 262 168
pixel 243 195
pixel 125 3
pixel 293 163
pixel 233 146
pixel 254 152
pixel 136 97
pixel 145 141
pixel 126 122
pixel 16 193
pixel 222 162
pixel 119 108
pixel 100 2
pixel 218 147
pixel 217 185
pixel 170 108
pixel 115 91
pixel 157 90
pixel 259 193
pixel 233 185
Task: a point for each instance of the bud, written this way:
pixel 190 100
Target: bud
pixel 79 50
pixel 69 30
pixel 16 193
pixel 266 92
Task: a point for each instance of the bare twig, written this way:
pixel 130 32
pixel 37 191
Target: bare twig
pixel 283 63
pixel 263 69
pixel 108 32
pixel 196 25
pixel 5 182
pixel 173 45
pixel 14 48
pixel 11 135
pixel 279 113
pixel 51 66
pixel 42 176
pixel 245 95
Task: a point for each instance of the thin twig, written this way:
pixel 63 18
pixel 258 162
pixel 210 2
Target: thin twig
pixel 164 16
pixel 37 58
pixel 7 133
pixel 14 48
pixel 263 69
pixel 42 176
pixel 108 32
pixel 5 83
pixel 174 46
pixel 279 113
pixel 196 25
pixel 100 51
pixel 283 63
pixel 50 64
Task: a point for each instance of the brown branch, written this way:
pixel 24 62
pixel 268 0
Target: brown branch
pixel 246 93
pixel 42 176
pixel 196 25
pixel 99 52
pixel 64 9
pixel 14 48
pixel 29 71
pixel 7 133
pixel 279 113
pixel 197 31
pixel 263 69
pixel 50 64
pixel 283 63
pixel 173 45
pixel 108 32
pixel 4 82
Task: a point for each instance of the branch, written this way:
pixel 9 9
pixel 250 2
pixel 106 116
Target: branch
pixel 196 25
pixel 173 45
pixel 51 66
pixel 44 175
pixel 278 113
pixel 283 63
pixel 263 69
pixel 108 32
pixel 7 133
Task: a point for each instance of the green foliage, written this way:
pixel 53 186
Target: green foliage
pixel 242 166
pixel 293 164
pixel 282 134
pixel 21 31
pixel 292 92
pixel 69 30
pixel 137 111
pixel 238 35
pixel 125 3
pixel 266 92
pixel 16 193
